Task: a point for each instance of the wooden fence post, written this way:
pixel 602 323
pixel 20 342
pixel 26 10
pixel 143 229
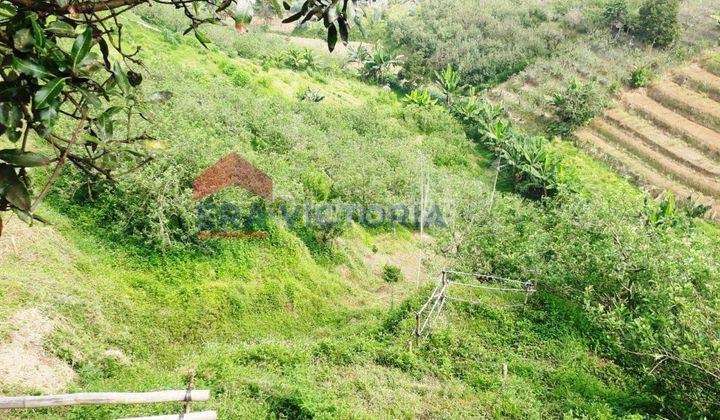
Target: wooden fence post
pixel 417 329
pixel 191 385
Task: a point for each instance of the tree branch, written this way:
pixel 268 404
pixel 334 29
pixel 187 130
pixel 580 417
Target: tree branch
pixel 75 7
pixel 58 167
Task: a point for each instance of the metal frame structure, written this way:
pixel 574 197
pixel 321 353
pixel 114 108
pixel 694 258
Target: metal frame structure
pixel 429 312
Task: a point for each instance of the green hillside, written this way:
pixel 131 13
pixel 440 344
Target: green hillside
pixel 121 295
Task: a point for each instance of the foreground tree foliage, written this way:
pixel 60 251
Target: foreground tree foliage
pixel 68 84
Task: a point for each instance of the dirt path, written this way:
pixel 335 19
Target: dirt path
pixel 702 137
pixel 647 176
pixel 668 145
pixel 656 159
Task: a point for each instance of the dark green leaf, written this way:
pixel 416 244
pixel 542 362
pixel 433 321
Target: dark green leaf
pixel 23 40
pixel 121 78
pixel 27 217
pixel 332 37
pixel 112 111
pixel 104 127
pixel 13 189
pixel 90 97
pixel 48 116
pixel 30 68
pixel 38 34
pixel 343 30
pixel 81 47
pixel 17 157
pixel 104 123
pixel 11 117
pixel 7 10
pixel 204 40
pixel 105 52
pixel 8 91
pixel 286 5
pixel 49 92
pixel 90 64
pixel 60 28
pixel 294 17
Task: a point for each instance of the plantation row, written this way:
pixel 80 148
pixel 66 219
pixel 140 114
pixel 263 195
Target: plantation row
pixel 668 135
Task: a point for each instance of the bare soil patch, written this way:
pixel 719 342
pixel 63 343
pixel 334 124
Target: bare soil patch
pixel 24 363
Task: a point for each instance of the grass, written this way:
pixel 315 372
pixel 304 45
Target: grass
pixel 262 328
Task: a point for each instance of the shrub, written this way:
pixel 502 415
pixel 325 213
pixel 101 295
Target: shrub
pixel 391 273
pixel 658 23
pixel 576 105
pixel 317 185
pixel 298 59
pixel 641 77
pixel 376 65
pixel 535 169
pixel 488 42
pixel 310 95
pixel 420 97
pixel 648 292
pixel 616 14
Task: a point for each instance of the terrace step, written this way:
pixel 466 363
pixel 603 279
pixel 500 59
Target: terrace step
pixel 701 80
pixel 646 175
pixel 665 144
pixel 700 136
pixel 711 65
pixel 691 104
pixel 683 174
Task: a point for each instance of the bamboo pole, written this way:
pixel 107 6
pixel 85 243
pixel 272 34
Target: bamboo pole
pixel 499 289
pixel 100 398
pixel 200 415
pixel 432 295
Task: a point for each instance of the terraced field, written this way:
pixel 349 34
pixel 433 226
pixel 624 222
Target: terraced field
pixel 668 135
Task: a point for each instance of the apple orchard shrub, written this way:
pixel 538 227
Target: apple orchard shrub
pixel 658 23
pixel 650 292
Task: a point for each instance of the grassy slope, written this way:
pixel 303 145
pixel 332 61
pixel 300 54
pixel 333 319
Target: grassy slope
pixel 270 328
pixel 298 340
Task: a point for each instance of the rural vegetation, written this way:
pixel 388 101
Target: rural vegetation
pixel 522 121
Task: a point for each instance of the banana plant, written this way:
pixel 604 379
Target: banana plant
pixel 421 98
pixel 450 83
